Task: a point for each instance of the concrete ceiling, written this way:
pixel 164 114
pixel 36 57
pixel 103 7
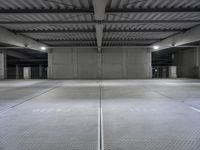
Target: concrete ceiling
pixel 98 23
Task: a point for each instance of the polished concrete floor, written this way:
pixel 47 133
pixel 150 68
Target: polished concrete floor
pixel 63 115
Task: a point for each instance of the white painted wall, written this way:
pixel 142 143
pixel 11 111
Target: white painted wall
pixel 73 63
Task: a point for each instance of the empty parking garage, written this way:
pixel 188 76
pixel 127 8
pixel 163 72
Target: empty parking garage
pixel 99 75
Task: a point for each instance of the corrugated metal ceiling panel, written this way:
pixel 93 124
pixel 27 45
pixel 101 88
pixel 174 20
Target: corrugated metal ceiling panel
pixel 153 3
pixel 48 27
pixel 137 35
pixel 87 4
pixel 151 26
pixel 155 16
pixel 70 36
pixel 45 4
pixel 46 17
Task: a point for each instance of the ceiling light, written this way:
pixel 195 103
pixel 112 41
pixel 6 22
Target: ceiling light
pixel 43 48
pixel 156 47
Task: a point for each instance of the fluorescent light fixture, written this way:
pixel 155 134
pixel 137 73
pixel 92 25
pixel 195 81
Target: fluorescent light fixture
pixel 156 47
pixel 43 48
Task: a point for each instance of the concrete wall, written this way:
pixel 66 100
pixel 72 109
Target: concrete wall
pixel 187 62
pixel 73 63
pixel 126 63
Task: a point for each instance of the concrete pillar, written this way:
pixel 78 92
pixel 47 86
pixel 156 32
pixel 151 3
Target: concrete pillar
pixel 17 71
pixel 100 65
pixel 27 72
pixel 40 71
pixel 149 63
pixel 3 65
pixel 198 61
pixel 124 63
pixel 172 72
pixel 50 65
pixel 75 62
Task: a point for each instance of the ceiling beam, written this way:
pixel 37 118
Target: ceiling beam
pixel 45 22
pixel 99 15
pixel 91 31
pixel 83 47
pixel 90 11
pixel 181 39
pixel 17 54
pixel 152 10
pixel 106 40
pixel 150 21
pixel 53 31
pixel 143 30
pixel 95 22
pixel 10 38
pixel 45 11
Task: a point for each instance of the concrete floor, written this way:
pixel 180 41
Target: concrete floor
pixel 63 115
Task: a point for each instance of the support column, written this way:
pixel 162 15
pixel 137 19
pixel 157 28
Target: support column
pixel 172 72
pixel 149 59
pixel 100 69
pixel 198 60
pixel 50 65
pixel 40 71
pixel 3 65
pixel 75 62
pixel 17 71
pixel 124 63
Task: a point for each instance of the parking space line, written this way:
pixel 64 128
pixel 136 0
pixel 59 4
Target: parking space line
pixel 195 109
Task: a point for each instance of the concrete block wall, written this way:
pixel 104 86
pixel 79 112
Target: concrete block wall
pixel 74 63
pixel 188 63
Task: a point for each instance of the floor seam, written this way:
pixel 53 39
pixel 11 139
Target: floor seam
pixel 171 99
pixel 14 106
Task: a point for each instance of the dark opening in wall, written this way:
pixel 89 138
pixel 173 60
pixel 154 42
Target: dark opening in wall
pixel 37 62
pixel 161 61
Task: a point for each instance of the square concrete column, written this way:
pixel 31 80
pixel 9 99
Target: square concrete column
pixel 50 65
pixel 172 72
pixel 17 71
pixel 27 72
pixel 3 65
pixel 40 71
pixel 198 61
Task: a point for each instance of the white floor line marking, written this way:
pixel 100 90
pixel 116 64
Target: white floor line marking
pixel 99 130
pixel 102 135
pixel 100 122
pixel 195 109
